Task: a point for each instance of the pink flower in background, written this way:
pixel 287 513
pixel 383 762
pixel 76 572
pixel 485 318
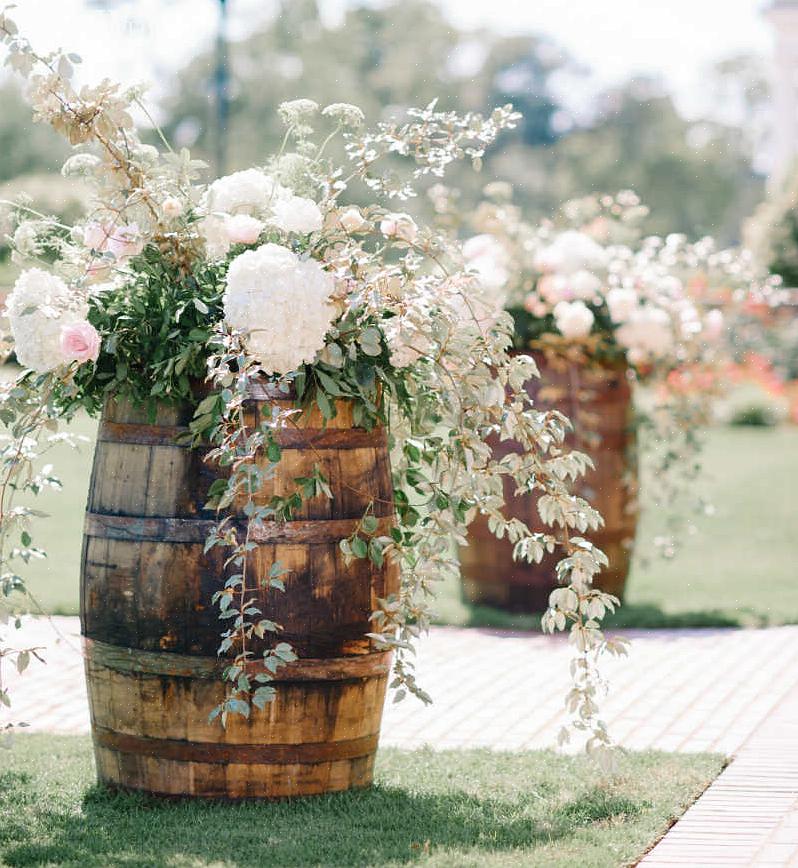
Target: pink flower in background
pixel 96 235
pixel 80 342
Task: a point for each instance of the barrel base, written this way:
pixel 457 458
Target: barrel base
pixel 172 780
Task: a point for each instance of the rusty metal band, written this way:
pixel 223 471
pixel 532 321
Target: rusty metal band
pixel 191 530
pixel 288 438
pixel 246 754
pixel 134 660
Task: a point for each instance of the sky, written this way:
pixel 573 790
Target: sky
pixel 134 40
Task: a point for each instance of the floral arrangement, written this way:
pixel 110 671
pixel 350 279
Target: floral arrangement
pixel 272 274
pixel 588 288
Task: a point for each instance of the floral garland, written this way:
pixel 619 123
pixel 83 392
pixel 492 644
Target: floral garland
pixel 267 274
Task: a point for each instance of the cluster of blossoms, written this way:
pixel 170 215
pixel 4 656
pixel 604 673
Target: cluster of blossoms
pixel 591 277
pixel 269 274
pixel 588 288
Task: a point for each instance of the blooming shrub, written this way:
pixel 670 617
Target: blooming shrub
pixel 588 288
pixel 270 273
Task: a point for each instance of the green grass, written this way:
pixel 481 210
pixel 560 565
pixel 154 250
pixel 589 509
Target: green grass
pixel 738 568
pixel 463 808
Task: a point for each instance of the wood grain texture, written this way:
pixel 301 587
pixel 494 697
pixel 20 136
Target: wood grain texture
pixel 151 633
pixel 599 401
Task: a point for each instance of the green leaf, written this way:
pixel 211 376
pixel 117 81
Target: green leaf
pixel 375 552
pixel 359 547
pixel 263 696
pixel 325 405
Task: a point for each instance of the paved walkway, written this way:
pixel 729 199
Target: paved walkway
pixel 729 691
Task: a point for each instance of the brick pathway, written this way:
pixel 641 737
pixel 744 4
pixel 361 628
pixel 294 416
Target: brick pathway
pixel 729 691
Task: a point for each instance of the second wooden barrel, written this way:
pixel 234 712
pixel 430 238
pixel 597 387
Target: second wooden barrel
pixel 151 633
pixel 598 401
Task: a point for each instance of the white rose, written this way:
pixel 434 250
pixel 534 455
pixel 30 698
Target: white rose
pixel 647 334
pixel 282 302
pixel 569 252
pixel 39 306
pixel 584 284
pixel 621 302
pixel 574 319
pixel 297 214
pixel 485 255
pixel 401 226
pixel 214 232
pixel 244 192
pixel 553 288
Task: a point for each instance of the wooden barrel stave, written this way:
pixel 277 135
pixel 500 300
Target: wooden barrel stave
pixel 490 575
pixel 146 594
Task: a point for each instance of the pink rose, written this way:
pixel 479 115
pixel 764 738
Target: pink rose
pixel 125 241
pixel 243 229
pixel 80 342
pixel 96 236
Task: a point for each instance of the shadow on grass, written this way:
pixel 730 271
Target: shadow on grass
pixel 377 826
pixel 644 616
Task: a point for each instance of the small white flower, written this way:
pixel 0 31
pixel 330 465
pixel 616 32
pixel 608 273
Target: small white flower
pixel 80 165
pixel 399 225
pixel 486 256
pixel 297 214
pixel 622 302
pixel 647 334
pixel 346 113
pixel 297 110
pixel 574 319
pixel 569 252
pixel 283 304
pixel 171 207
pixel 26 238
pixel 584 284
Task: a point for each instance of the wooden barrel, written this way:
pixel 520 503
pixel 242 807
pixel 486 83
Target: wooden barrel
pixel 598 401
pixel 151 632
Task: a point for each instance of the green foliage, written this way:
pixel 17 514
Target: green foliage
pixel 474 808
pixel 159 322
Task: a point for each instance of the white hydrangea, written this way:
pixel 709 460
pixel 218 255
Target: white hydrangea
pixel 622 301
pixel 37 308
pixel 282 302
pixel 80 165
pixel 297 214
pixel 571 251
pixel 574 319
pixel 486 256
pixel 247 192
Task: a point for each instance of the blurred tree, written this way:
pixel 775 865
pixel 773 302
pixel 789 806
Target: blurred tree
pixel 696 177
pixel 383 59
pixel 25 146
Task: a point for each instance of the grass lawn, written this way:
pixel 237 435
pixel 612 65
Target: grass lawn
pixel 739 568
pixel 464 808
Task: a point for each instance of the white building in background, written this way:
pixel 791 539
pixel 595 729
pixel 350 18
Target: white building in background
pixel 783 15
